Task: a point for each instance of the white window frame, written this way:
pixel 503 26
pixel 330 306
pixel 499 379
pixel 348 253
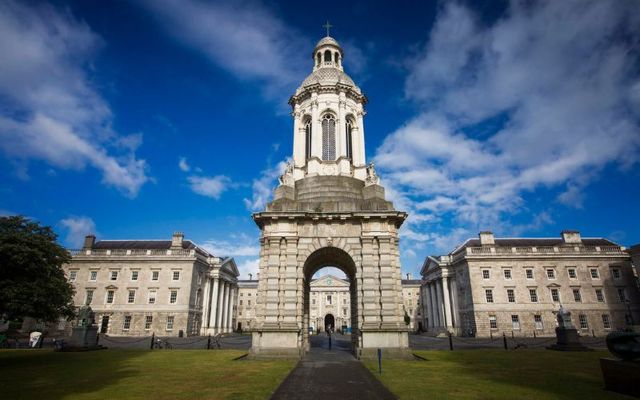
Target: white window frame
pixel 606 321
pixel 148 322
pixel 170 322
pixel 493 322
pixel 553 272
pixel 73 275
pixel 507 271
pixel 93 275
pixel 153 295
pixel 576 299
pixel 583 321
pixel 616 271
pixel 113 275
pixel 126 323
pixel 135 275
pixel 558 292
pixel 597 271
pixel 538 322
pixel 488 274
pixel 575 273
pixel 488 295
pixel 533 296
pixel 129 299
pixel 88 299
pixel 155 275
pixel 173 275
pixel 173 296
pixel 515 322
pixel 111 293
pixel 526 273
pixel 509 295
pixel 601 291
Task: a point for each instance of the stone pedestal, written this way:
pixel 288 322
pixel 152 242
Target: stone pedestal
pixel 84 336
pixel 621 376
pixel 568 340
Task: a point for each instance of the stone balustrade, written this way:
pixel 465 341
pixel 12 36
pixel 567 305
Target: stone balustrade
pixel 536 250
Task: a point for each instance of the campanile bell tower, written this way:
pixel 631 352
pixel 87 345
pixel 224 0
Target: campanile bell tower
pixel 329 210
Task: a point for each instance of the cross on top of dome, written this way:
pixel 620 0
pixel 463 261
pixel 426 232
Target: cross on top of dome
pixel 327 26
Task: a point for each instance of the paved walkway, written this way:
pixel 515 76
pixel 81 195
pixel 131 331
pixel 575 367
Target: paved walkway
pixel 331 374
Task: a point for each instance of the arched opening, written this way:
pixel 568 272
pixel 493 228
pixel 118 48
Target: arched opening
pixel 329 323
pixel 307 137
pixel 349 138
pixel 330 299
pixel 336 56
pixel 327 56
pixel 328 137
pixel 318 57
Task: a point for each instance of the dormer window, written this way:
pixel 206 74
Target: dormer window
pixel 328 138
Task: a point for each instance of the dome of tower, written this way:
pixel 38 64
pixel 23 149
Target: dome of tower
pixel 328 40
pixel 328 77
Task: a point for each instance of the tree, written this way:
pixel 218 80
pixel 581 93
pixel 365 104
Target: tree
pixel 32 282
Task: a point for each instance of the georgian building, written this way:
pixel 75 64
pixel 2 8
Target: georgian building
pixel 489 286
pixel 330 306
pixel 166 287
pixel 245 308
pixel 413 302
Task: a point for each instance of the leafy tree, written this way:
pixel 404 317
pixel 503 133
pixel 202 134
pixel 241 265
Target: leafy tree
pixel 32 282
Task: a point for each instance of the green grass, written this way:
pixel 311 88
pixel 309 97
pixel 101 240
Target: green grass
pixel 497 374
pixel 136 374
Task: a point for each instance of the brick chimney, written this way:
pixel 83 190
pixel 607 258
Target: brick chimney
pixel 486 238
pixel 89 241
pixel 408 276
pixel 176 240
pixel 250 277
pixel 571 237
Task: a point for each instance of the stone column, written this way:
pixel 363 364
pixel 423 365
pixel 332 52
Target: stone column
pixel 213 308
pixel 441 321
pixel 427 305
pixel 316 128
pixel 341 142
pixel 454 304
pixel 206 304
pixel 230 309
pixel 220 305
pixel 433 306
pixel 361 154
pixel 447 302
pixel 370 299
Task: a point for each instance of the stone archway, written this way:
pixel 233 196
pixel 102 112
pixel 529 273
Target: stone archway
pixel 338 258
pixel 329 322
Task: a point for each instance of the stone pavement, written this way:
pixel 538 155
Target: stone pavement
pixel 331 374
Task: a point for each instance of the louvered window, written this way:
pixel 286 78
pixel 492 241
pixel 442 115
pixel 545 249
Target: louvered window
pixel 328 138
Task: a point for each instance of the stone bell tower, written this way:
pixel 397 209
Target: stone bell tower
pixel 329 210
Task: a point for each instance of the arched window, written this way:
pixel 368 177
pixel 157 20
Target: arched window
pixel 318 56
pixel 336 57
pixel 327 56
pixel 348 130
pixel 307 137
pixel 328 138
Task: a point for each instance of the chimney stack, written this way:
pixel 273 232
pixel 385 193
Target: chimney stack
pixel 408 275
pixel 571 237
pixel 89 241
pixel 176 240
pixel 250 277
pixel 486 238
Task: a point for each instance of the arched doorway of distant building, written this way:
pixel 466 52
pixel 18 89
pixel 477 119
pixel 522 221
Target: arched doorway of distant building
pixel 329 322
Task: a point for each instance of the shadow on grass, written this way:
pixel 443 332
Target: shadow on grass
pixel 33 374
pixel 499 374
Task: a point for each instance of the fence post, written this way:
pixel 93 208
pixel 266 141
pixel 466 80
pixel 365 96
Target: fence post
pixel 491 334
pixel 209 343
pixel 504 339
pixel 534 334
pixel 153 338
pixel 593 333
pixel 450 342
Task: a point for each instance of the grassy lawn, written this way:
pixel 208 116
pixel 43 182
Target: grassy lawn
pixel 137 374
pixel 497 374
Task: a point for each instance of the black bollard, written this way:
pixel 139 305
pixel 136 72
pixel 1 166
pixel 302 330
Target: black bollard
pixel 153 338
pixel 491 335
pixel 329 341
pixel 450 342
pixel 504 339
pixel 209 343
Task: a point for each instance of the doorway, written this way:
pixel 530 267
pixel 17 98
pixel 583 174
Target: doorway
pixel 329 322
pixel 104 326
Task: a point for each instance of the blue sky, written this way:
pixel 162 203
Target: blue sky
pixel 134 119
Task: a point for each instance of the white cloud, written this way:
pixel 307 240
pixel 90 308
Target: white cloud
pixel 249 266
pixel 209 186
pixel 544 98
pixel 49 108
pixel 263 187
pixel 77 228
pixel 240 246
pixel 244 38
pixel 182 164
pixel 329 271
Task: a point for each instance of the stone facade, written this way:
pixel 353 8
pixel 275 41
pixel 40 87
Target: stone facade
pixel 246 306
pixel 329 210
pixel 137 288
pixel 488 286
pixel 411 294
pixel 330 304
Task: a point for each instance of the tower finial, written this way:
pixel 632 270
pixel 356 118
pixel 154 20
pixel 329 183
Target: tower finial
pixel 327 26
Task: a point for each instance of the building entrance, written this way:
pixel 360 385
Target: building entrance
pixel 329 323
